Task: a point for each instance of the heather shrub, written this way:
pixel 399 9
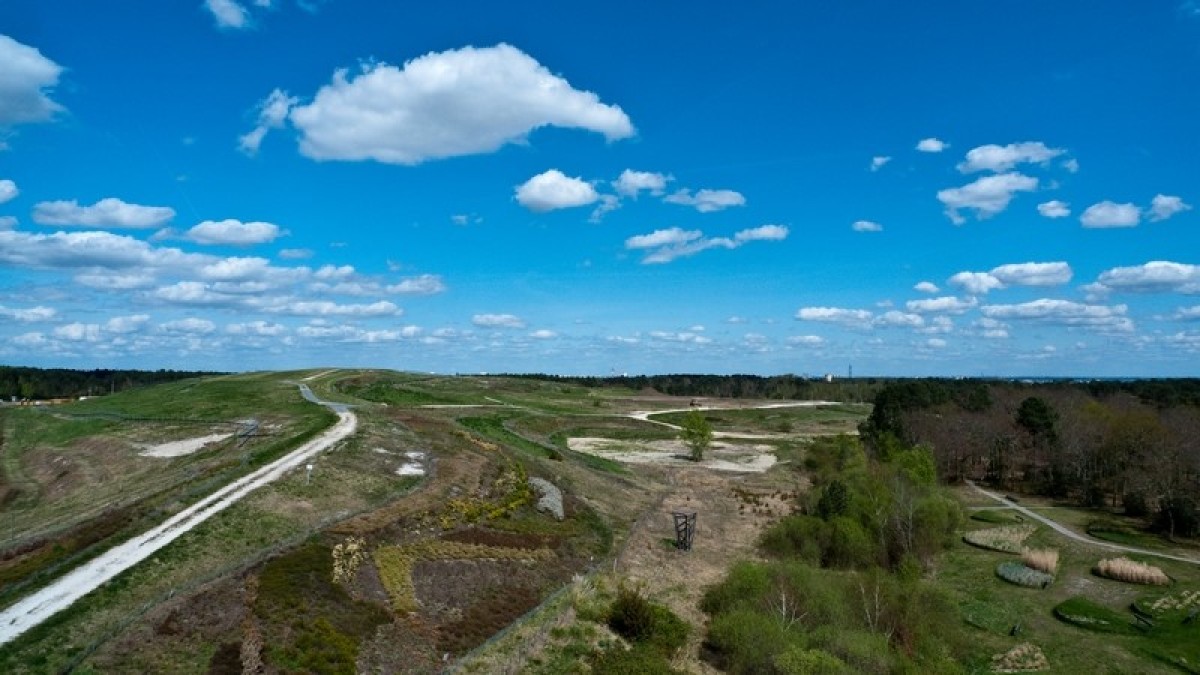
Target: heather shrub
pixel 640 621
pixel 1018 573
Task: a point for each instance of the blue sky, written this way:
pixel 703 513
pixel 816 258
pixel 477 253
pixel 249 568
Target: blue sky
pixel 949 189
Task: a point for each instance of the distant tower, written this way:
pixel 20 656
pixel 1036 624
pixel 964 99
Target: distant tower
pixel 850 372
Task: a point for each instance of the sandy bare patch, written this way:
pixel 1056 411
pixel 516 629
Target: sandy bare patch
pixel 181 448
pixel 721 456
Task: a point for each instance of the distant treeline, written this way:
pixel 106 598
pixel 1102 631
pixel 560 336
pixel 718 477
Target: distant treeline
pixel 785 387
pixel 45 383
pixel 1128 444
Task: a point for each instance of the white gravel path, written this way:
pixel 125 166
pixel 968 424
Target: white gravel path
pixel 59 595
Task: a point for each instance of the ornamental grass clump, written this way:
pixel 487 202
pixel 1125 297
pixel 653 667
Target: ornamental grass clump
pixel 1018 573
pixel 1045 560
pixel 1131 571
pixel 1178 602
pixel 1004 539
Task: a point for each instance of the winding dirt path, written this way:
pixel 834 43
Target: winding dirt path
pixel 63 592
pixel 1071 534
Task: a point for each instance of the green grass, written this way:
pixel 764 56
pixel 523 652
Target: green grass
pixel 997 516
pixel 802 420
pixel 493 428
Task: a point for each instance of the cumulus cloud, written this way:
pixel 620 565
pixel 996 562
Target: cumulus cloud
pixel 8 190
pixel 543 334
pixel 126 324
pixel 987 196
pixel 1188 313
pixel 1001 158
pixel 8 222
pixel 497 321
pixel 1158 276
pixel 295 253
pixel 233 233
pixel 935 343
pixel 1054 209
pixel 1033 274
pixel 926 287
pixel 445 104
pixel 1161 207
pixel 806 340
pixel 328 308
pixel 931 145
pixel 258 328
pixel 78 332
pixel 866 226
pixel 554 190
pixel 672 243
pixel 1063 312
pixel 630 183
pixel 943 305
pixel 896 318
pixel 1108 214
pixel 108 212
pixel 838 315
pixel 272 114
pixel 975 283
pixel 684 336
pixel 67 250
pixel 25 83
pixel 29 314
pixel 879 161
pixel 706 201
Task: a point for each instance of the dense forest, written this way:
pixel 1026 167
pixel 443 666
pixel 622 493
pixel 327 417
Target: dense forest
pixel 45 383
pixel 1129 445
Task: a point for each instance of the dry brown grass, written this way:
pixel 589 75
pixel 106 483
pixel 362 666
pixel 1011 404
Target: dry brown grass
pixel 1131 571
pixel 1045 560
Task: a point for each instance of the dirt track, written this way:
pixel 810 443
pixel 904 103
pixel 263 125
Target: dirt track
pixel 59 595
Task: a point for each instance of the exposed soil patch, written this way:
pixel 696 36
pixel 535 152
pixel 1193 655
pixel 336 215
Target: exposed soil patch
pixel 182 447
pixel 720 456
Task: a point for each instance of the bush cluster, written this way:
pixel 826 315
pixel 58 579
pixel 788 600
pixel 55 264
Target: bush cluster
pixel 1022 575
pixel 1131 571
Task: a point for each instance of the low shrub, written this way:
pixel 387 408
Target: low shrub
pixel 640 621
pixel 1025 657
pixel 1081 612
pixel 1007 539
pixel 1021 575
pixel 1045 560
pixel 640 660
pixel 1183 601
pixel 1131 571
pixel 799 661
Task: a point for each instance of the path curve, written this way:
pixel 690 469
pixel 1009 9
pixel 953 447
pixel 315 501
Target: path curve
pixel 1071 534
pixel 644 415
pixel 63 592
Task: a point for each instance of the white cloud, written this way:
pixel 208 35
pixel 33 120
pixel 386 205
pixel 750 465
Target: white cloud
pixel 1188 313
pixel 900 319
pixel 446 104
pixel 543 334
pixel 8 190
pixel 78 332
pixel 233 232
pixel 931 145
pixel 673 243
pixel 1063 312
pixel 707 201
pixel 272 114
pixel 936 343
pixel 1071 165
pixel 838 315
pixel 295 253
pixel 259 328
pixel 667 237
pixel 1161 207
pixel 975 283
pixel 66 250
pixel 1108 214
pixel 1158 276
pixel 108 212
pixel 687 337
pixel 497 321
pixel 806 340
pixel 1001 158
pixel 988 195
pixel 630 183
pixel 946 304
pixel 926 287
pixel 327 308
pixel 25 81
pixel 30 314
pixel 608 203
pixel 228 13
pixel 189 326
pixel 554 190
pixel 1033 274
pixel 8 222
pixel 866 226
pixel 879 161
pixel 425 284
pixel 126 324
pixel 762 233
pixel 1054 209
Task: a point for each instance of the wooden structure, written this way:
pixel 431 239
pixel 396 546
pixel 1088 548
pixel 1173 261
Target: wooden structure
pixel 685 529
